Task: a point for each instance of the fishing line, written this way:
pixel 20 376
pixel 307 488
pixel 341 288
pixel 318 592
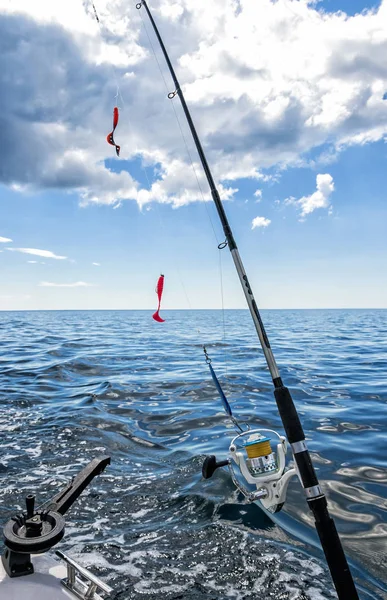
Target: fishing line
pixel 180 128
pixel 111 66
pixel 158 211
pixel 149 185
pixel 138 152
pixel 170 96
pixel 95 12
pixel 117 96
pixel 225 353
pixel 181 131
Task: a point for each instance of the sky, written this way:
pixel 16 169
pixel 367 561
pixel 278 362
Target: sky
pixel 290 101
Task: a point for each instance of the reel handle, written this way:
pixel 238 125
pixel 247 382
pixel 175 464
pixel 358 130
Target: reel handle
pixel 210 465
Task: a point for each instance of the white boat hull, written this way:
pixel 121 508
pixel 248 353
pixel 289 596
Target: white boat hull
pixel 43 584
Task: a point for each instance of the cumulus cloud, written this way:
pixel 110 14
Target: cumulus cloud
pixel 267 83
pixel 4 240
pixel 258 195
pixel 260 222
pixel 65 285
pixel 37 252
pixel 319 199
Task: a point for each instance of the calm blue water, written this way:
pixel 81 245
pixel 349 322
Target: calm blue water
pixel 77 384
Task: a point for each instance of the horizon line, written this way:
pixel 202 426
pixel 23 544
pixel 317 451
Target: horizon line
pixel 176 309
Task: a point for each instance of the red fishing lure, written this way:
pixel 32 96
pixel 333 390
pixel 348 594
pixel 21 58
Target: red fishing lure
pixel 110 137
pixel 159 292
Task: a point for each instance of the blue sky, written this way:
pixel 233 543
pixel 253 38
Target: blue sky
pixel 299 156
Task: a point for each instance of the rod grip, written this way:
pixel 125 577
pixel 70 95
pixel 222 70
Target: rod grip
pixel 333 550
pixel 289 415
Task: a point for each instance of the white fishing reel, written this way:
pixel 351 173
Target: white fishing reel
pixel 261 466
pixel 258 464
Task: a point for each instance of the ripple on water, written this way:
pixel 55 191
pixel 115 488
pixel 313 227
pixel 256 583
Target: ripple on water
pixel 76 384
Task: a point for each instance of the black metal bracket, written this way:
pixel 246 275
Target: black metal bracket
pixel 17 564
pixel 37 531
pixel 65 498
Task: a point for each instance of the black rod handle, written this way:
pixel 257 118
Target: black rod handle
pixel 333 550
pixel 325 526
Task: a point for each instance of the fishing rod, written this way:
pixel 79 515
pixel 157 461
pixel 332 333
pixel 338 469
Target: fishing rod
pixel 325 526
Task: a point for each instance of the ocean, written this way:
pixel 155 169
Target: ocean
pixel 77 384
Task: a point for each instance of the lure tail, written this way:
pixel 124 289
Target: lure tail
pixel 110 136
pixel 157 317
pixel 159 292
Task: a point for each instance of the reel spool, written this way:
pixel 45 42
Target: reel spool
pixel 261 459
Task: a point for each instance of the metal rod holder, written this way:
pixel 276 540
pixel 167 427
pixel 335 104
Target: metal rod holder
pixel 83 584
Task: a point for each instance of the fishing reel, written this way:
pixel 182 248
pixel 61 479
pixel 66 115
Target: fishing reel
pixel 258 465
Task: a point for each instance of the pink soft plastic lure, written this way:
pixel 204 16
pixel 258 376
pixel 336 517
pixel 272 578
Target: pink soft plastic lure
pixel 159 292
pixel 110 137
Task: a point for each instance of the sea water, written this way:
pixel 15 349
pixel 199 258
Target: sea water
pixel 77 384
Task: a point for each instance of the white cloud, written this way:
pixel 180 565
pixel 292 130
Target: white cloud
pixel 178 185
pixel 268 82
pixel 319 199
pixel 37 252
pixel 4 240
pixel 32 262
pixel 65 285
pixel 258 195
pixel 260 222
pixel 97 264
